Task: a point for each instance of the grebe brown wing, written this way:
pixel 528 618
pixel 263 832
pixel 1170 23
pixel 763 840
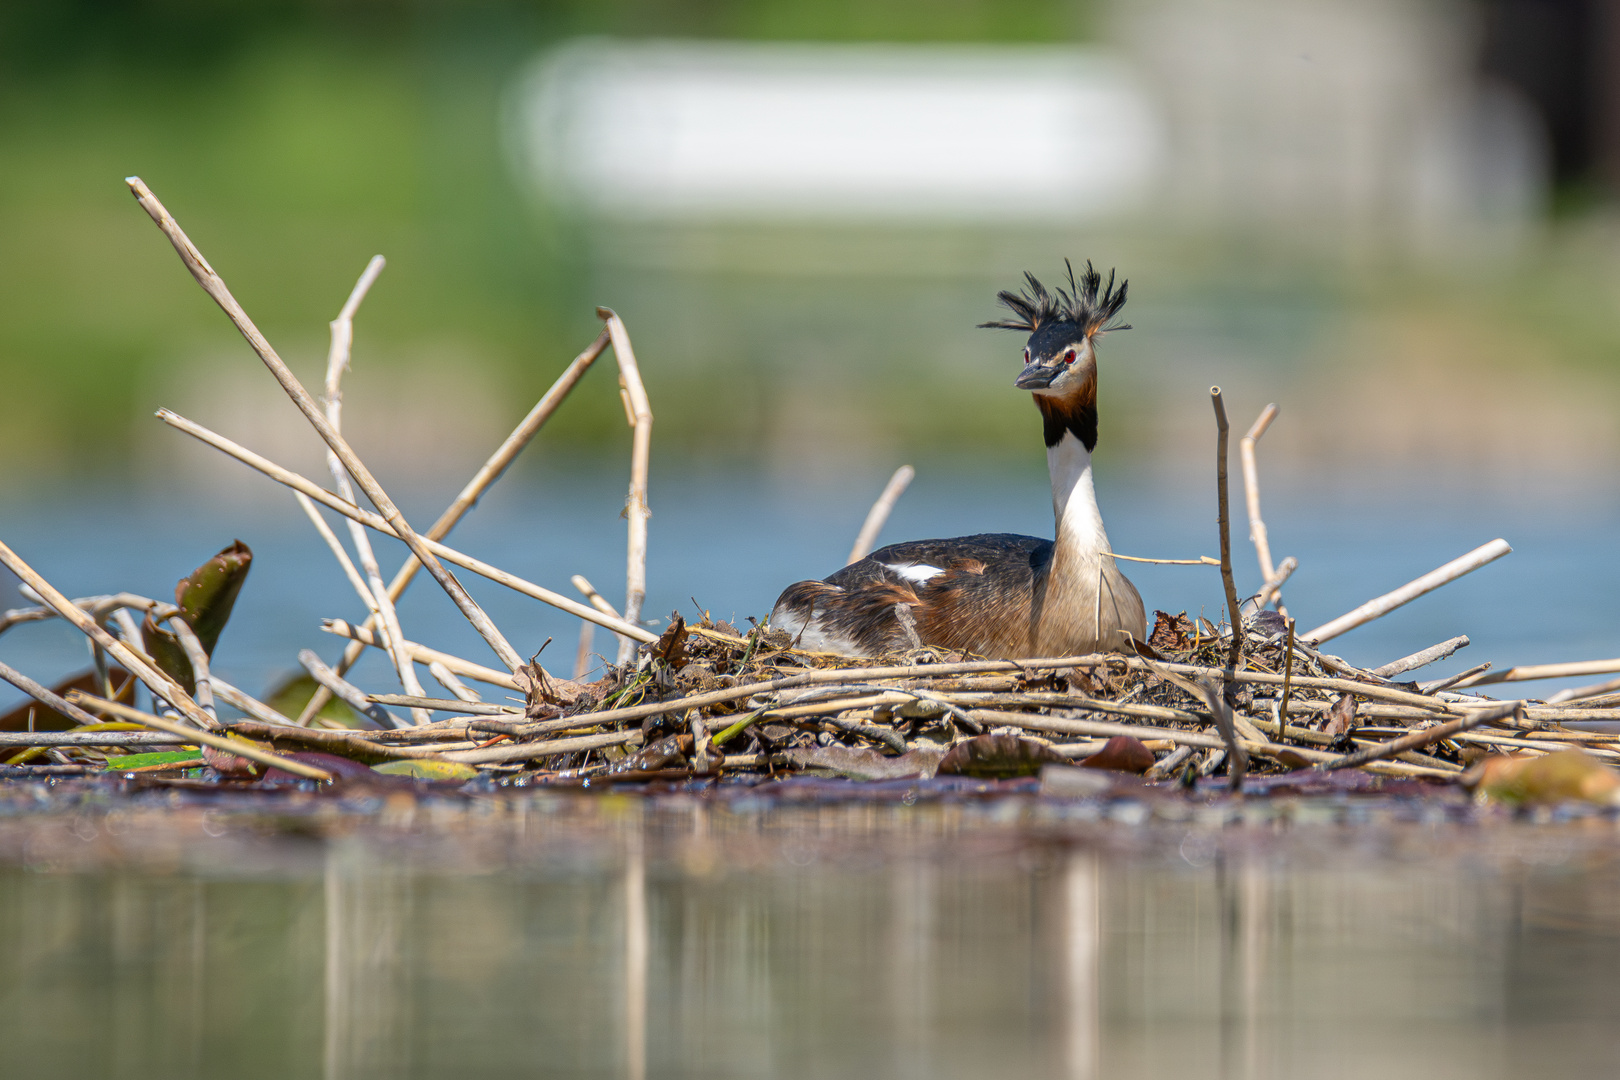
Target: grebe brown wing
pixel 968 592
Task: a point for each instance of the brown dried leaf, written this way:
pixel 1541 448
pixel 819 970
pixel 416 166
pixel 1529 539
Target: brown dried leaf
pixel 994 756
pixel 1122 753
pixel 1341 718
pixel 1173 633
pixel 671 645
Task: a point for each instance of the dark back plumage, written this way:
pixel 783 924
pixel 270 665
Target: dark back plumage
pixel 1086 304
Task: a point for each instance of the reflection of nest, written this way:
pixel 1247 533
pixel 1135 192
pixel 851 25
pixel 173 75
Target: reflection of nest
pixel 708 700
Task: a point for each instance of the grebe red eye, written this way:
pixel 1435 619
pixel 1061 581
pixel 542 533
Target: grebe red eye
pixel 1026 356
pixel 1068 356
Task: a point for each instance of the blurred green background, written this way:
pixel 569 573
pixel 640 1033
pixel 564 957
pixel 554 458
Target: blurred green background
pixel 295 140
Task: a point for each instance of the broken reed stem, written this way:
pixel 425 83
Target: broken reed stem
pixel 238 747
pixel 488 473
pixel 1383 605
pixel 878 516
pixel 160 684
pixel 45 696
pixel 1251 497
pixel 1424 737
pixel 356 582
pixel 1576 693
pixel 1235 656
pixel 636 511
pixel 374 521
pixel 1421 658
pixel 214 285
pixel 337 362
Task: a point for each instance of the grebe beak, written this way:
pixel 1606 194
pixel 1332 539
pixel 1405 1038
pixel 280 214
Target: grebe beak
pixel 1037 376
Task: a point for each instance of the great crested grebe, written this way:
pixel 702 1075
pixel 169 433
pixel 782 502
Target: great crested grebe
pixel 1001 595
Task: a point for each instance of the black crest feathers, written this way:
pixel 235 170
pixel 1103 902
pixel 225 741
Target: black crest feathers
pixel 1087 304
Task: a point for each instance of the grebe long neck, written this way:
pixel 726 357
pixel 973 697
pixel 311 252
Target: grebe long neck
pixel 1074 499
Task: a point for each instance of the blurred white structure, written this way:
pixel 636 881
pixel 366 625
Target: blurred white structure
pixel 709 130
pixel 1362 118
pixel 1359 123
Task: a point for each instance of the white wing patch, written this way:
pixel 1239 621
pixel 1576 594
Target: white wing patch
pixel 918 572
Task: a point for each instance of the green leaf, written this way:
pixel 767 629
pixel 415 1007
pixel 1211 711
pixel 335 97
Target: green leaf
pixel 205 598
pixel 428 770
pixel 136 761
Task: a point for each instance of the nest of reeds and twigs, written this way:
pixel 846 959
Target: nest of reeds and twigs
pixel 709 701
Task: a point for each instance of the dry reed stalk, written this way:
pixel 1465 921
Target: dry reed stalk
pixel 1235 657
pixel 236 699
pixel 1425 736
pixel 879 514
pixel 347 692
pixel 1528 672
pixel 638 411
pixel 1383 605
pixel 1272 589
pixel 361 589
pixel 1434 686
pixel 214 285
pixel 1251 496
pixel 232 746
pixel 44 695
pixel 447 679
pixel 95 740
pixel 1577 693
pixel 1422 658
pixel 500 755
pixel 337 362
pixel 374 521
pixel 331 739
pixel 594 598
pixel 454 705
pixel 196 655
pixel 487 474
pixel 582 655
pixel 424 655
pixel 160 684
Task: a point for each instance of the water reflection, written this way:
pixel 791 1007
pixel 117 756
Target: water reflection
pixel 706 941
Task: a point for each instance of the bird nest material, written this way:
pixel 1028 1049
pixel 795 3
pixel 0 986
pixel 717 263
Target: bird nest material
pixel 707 702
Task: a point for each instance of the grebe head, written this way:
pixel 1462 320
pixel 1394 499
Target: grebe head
pixel 1060 356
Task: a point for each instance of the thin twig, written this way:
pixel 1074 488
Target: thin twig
pixel 1273 586
pixel 214 285
pixel 447 679
pixel 879 514
pixel 639 413
pixel 1235 656
pixel 373 521
pixel 486 476
pixel 1383 605
pixel 255 708
pixel 1577 693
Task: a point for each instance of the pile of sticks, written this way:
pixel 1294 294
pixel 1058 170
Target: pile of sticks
pixel 707 699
